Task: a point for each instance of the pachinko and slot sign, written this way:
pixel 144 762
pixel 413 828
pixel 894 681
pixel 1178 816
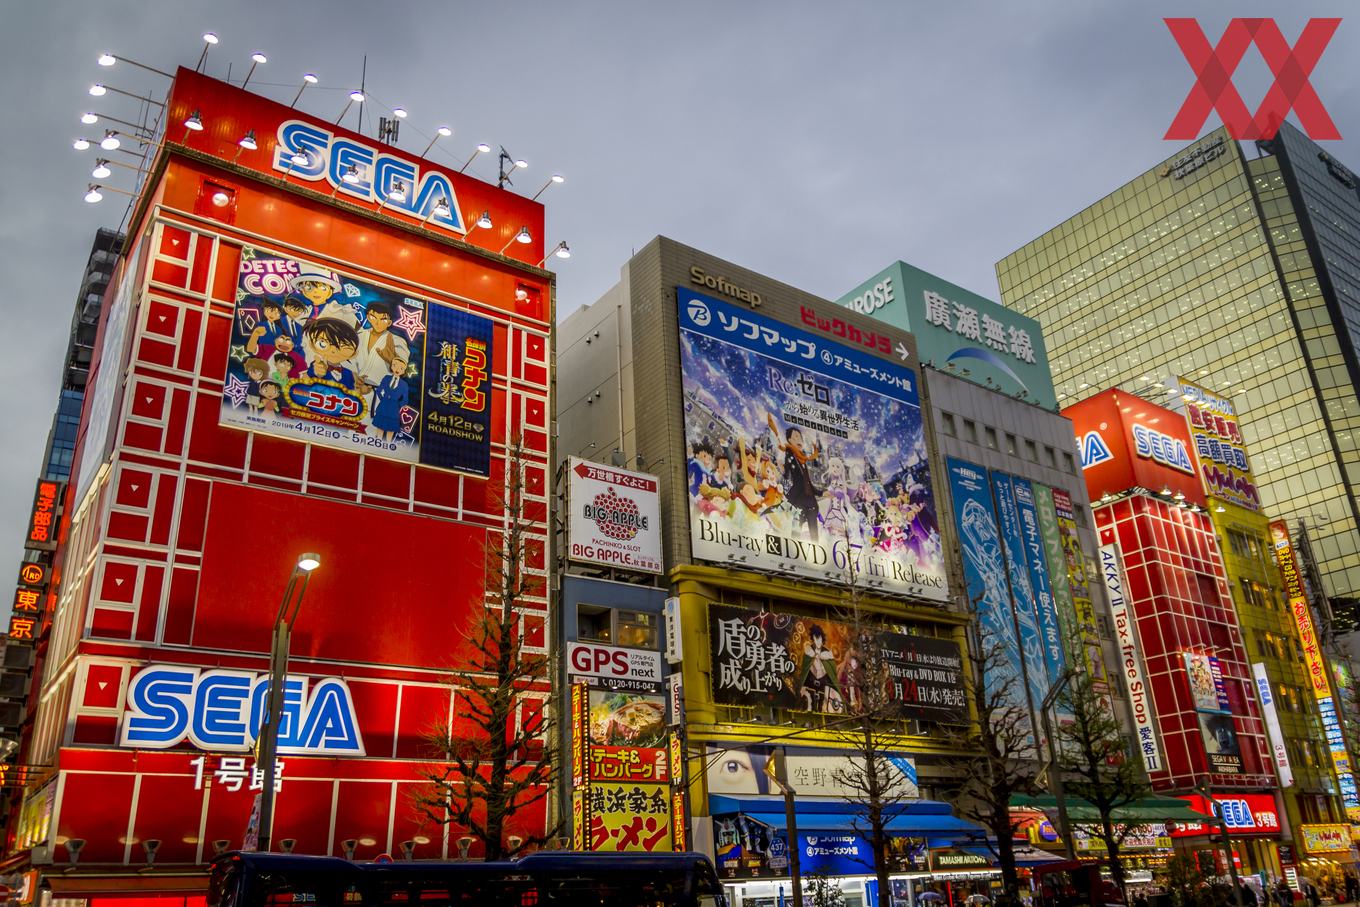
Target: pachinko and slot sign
pixel 1316 666
pixel 615 517
pixel 806 456
pixel 320 357
pixel 809 664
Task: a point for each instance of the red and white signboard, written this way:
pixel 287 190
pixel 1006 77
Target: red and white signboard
pixel 615 517
pixel 626 668
pixel 1246 814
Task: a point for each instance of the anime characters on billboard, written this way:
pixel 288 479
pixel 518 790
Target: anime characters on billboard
pixel 314 353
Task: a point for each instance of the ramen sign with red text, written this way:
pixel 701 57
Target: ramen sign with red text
pixel 615 517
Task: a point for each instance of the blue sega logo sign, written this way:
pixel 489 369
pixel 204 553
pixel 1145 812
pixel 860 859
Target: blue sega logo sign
pixel 222 710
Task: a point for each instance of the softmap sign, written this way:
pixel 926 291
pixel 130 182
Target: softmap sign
pixel 615 517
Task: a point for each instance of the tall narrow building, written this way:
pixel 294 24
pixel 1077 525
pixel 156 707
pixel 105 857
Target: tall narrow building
pixel 1240 268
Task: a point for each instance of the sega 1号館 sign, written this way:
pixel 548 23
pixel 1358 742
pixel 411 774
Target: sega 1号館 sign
pixel 613 667
pixel 222 710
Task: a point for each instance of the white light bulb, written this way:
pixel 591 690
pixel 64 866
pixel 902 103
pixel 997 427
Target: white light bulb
pixel 399 112
pixel 80 144
pixel 483 147
pixel 97 91
pixel 523 236
pixel 93 195
pixel 101 171
pixel 209 37
pixel 107 59
pixel 89 119
pixel 310 78
pixel 259 57
pixel 521 163
pixel 110 142
pixel 563 251
pixel 444 131
pixel 299 159
pixel 220 198
pixel 558 178
pixel 356 96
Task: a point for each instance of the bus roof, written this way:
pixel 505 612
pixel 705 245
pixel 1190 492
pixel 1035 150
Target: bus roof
pixel 550 862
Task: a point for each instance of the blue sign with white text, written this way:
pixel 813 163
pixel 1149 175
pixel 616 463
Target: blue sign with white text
pixel 222 710
pixel 1022 592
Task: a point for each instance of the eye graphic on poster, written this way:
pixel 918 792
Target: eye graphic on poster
pixel 320 357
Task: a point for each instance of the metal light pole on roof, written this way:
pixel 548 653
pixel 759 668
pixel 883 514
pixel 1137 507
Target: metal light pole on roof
pixel 780 776
pixel 268 740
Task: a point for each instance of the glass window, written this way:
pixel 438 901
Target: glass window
pixel 637 629
pixel 970 431
pixel 1031 451
pixel 593 623
pixel 1011 444
pixel 947 421
pixel 1050 457
pixel 1069 463
pixel 989 434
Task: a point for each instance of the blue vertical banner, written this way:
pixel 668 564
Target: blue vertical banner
pixel 1045 609
pixel 984 568
pixel 456 416
pixel 1022 592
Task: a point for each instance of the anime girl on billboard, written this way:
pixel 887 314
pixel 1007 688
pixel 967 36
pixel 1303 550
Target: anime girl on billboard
pixel 389 398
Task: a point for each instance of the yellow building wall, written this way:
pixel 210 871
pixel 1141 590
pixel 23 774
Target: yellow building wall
pixel 1272 639
pixel 707 722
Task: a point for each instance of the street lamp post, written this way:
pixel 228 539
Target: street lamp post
pixel 1203 790
pixel 1055 784
pixel 268 741
pixel 781 780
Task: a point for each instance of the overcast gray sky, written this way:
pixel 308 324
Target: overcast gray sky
pixel 815 142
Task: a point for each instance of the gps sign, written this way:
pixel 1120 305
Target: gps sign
pixel 613 667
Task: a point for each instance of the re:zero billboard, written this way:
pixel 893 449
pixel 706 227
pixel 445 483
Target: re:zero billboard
pixel 804 455
pixel 320 357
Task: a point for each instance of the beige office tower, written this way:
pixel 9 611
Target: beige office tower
pixel 1236 265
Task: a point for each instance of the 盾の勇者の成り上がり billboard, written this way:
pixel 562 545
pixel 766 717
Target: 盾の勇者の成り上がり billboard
pixel 805 456
pixel 321 357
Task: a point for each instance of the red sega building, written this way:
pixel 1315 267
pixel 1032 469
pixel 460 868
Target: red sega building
pixel 1184 664
pixel 200 479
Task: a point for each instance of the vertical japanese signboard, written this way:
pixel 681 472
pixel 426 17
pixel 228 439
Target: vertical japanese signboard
pixel 43 518
pixel 984 571
pixel 615 517
pixel 1130 659
pixel 1316 665
pixel 1210 697
pixel 1279 752
pixel 1022 591
pixel 1050 630
pixel 1083 606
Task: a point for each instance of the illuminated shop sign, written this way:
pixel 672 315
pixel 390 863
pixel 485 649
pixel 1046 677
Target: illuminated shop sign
pixel 42 519
pixel 616 667
pixel 1154 445
pixel 615 517
pixel 1218 442
pixel 1248 814
pixel 222 710
pixel 1126 637
pixel 362 171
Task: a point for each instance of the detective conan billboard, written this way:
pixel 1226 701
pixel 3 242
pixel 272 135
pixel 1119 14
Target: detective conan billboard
pixel 320 357
pixel 805 455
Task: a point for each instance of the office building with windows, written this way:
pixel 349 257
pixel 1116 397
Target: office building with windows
pixel 1239 267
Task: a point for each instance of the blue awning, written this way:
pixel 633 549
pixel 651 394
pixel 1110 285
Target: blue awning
pixel 917 818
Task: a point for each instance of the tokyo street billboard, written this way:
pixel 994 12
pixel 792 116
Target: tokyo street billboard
pixel 805 456
pixel 321 357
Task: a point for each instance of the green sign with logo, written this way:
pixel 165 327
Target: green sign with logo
pixel 960 332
